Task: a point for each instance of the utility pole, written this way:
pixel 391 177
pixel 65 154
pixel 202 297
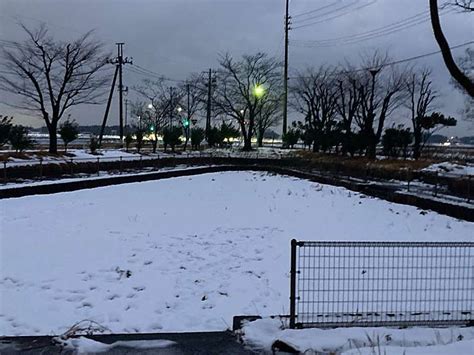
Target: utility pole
pixel 209 94
pixel 285 73
pixel 171 107
pixel 118 61
pixel 126 113
pixel 109 101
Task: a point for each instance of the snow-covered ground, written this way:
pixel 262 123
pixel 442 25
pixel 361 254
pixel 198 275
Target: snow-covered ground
pixel 102 175
pixel 448 168
pixel 108 155
pixel 183 254
pixel 262 334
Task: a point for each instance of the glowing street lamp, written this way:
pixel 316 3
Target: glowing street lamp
pixel 180 109
pixel 150 106
pixel 258 90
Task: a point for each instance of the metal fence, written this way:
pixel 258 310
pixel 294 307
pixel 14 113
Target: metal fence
pixel 381 283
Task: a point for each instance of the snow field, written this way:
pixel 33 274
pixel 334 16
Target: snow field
pixel 183 254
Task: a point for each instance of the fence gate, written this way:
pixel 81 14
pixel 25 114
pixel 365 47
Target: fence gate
pixel 337 284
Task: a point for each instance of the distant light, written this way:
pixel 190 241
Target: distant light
pixel 242 112
pixel 179 109
pixel 150 105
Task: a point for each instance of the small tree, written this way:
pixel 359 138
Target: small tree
pixel 290 138
pixel 69 131
pixel 139 134
pixel 214 137
pixel 18 138
pixel 197 136
pixel 5 126
pixel 396 140
pixel 228 131
pixel 171 137
pixel 433 123
pixel 93 144
pixel 128 141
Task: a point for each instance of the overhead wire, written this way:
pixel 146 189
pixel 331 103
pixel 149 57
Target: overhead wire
pixel 400 61
pixel 391 28
pixel 338 15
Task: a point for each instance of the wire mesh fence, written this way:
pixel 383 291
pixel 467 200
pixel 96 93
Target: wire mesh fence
pixel 381 283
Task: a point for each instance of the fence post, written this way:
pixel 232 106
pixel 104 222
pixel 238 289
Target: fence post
pixel 469 180
pixel 293 285
pixel 72 166
pixel 121 166
pixel 5 172
pixel 409 179
pixel 436 185
pixel 98 166
pixel 141 164
pixel 41 168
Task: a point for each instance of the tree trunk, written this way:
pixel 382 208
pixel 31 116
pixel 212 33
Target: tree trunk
pixel 443 44
pixel 53 139
pixel 417 144
pixel 260 140
pixel 247 142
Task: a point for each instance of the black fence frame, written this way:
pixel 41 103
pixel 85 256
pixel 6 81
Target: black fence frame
pixel 340 284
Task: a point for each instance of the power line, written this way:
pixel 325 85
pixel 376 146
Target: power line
pixel 315 10
pixel 405 60
pixel 352 10
pixel 394 27
pixel 324 14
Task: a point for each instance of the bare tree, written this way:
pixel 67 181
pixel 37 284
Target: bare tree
pixel 243 89
pixel 315 95
pixel 466 63
pixel 462 78
pixel 269 116
pixel 466 5
pixel 347 104
pixel 421 99
pixel 52 76
pixel 193 95
pixel 159 108
pixel 380 92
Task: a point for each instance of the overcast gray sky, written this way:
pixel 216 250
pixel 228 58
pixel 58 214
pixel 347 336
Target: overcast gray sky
pixel 177 37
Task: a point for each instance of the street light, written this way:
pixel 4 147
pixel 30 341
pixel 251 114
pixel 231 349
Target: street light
pixel 179 109
pixel 150 106
pixel 258 90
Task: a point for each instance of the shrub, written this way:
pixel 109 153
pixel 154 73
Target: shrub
pixel 139 134
pixel 171 137
pixel 5 126
pixel 197 136
pixel 128 140
pixel 228 131
pixel 18 138
pixel 69 131
pixel 214 137
pixel 396 140
pixel 290 138
pixel 93 144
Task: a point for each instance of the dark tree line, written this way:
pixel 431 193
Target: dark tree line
pixel 346 110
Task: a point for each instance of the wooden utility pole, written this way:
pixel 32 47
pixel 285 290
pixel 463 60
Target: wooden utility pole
pixel 171 108
pixel 119 61
pixel 109 101
pixel 285 71
pixel 126 114
pixel 209 94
